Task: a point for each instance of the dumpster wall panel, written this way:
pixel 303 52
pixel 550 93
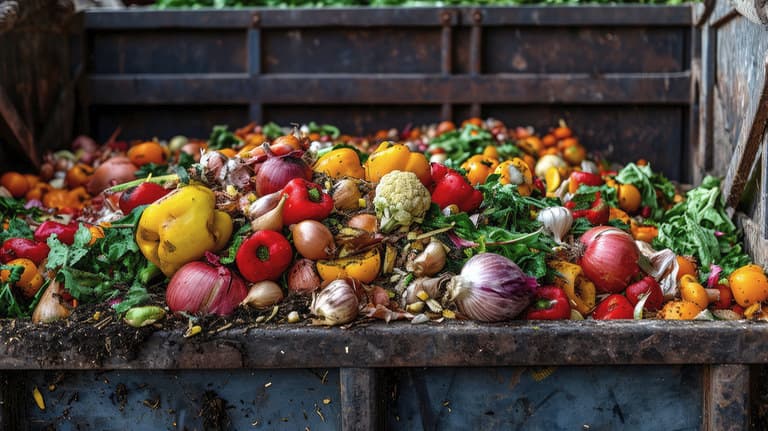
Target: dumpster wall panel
pixel 615 132
pixel 340 50
pixel 584 50
pixel 168 51
pixel 547 398
pixel 165 120
pixel 368 69
pixel 162 400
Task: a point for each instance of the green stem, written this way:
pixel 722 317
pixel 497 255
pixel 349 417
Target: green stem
pixel 157 180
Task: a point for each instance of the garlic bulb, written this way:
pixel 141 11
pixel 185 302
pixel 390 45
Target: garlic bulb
pixel 557 220
pixel 336 304
pixel 263 294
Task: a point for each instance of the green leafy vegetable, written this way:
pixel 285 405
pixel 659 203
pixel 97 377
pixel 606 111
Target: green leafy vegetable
pixel 17 228
pixel 461 144
pixel 113 266
pixel 700 227
pixel 649 183
pixel 222 138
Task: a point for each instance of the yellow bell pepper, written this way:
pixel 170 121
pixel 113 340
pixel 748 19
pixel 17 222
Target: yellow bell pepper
pixel 516 171
pixel 362 267
pixel 181 226
pixel 340 163
pixel 390 157
pixel 478 167
pixel 580 290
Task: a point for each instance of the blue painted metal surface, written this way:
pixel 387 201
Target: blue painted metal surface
pixel 563 398
pixel 172 400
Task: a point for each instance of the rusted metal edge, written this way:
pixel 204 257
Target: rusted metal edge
pixel 633 15
pixel 582 15
pixel 748 145
pixel 458 344
pixel 726 398
pixel 140 18
pixel 660 88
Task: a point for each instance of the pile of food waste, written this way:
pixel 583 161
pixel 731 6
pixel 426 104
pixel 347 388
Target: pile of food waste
pixel 305 225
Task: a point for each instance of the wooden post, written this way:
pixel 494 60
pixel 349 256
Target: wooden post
pixel 726 398
pixel 359 399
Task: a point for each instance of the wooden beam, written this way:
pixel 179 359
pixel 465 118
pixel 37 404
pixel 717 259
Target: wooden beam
pixel 747 147
pixel 24 138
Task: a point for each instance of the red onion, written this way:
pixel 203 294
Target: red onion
pixel 205 288
pixel 491 288
pixel 275 172
pixel 610 258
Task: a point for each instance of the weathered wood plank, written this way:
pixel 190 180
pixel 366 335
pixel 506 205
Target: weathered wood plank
pixel 750 139
pixel 636 89
pixel 726 398
pixel 457 344
pixel 360 399
pixel 755 242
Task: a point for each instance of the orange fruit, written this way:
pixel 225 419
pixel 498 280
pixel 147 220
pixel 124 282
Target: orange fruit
pixel 686 266
pixel 629 198
pixel 16 184
pixel 147 152
pixel 749 285
pixel 30 281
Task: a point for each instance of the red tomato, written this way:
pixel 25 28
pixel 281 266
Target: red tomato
pixel 613 307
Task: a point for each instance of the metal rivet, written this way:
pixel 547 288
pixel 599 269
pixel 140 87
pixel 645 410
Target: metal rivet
pixel 477 16
pixel 256 19
pixel 445 17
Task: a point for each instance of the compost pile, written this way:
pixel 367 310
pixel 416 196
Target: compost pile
pixel 305 225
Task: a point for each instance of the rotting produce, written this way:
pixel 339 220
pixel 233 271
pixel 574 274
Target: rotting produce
pixel 477 221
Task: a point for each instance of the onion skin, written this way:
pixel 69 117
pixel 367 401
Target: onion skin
pixel 492 288
pixel 609 258
pixel 116 170
pixel 200 288
pixel 303 278
pixel 278 170
pixel 313 240
pixel 263 294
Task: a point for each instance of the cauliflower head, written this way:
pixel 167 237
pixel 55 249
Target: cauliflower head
pixel 401 199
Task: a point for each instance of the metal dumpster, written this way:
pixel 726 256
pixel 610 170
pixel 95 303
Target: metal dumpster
pixel 670 84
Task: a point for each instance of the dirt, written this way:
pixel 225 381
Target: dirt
pixel 96 340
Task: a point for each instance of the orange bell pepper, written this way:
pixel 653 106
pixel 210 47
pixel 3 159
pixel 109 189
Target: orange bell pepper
pixel 390 157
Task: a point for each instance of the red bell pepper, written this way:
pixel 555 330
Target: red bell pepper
pixel 586 178
pixel 263 256
pixel 64 232
pixel 550 303
pixel 451 188
pixel 726 297
pixel 613 307
pixel 143 194
pixel 30 249
pixel 598 213
pixel 305 201
pixel 648 285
